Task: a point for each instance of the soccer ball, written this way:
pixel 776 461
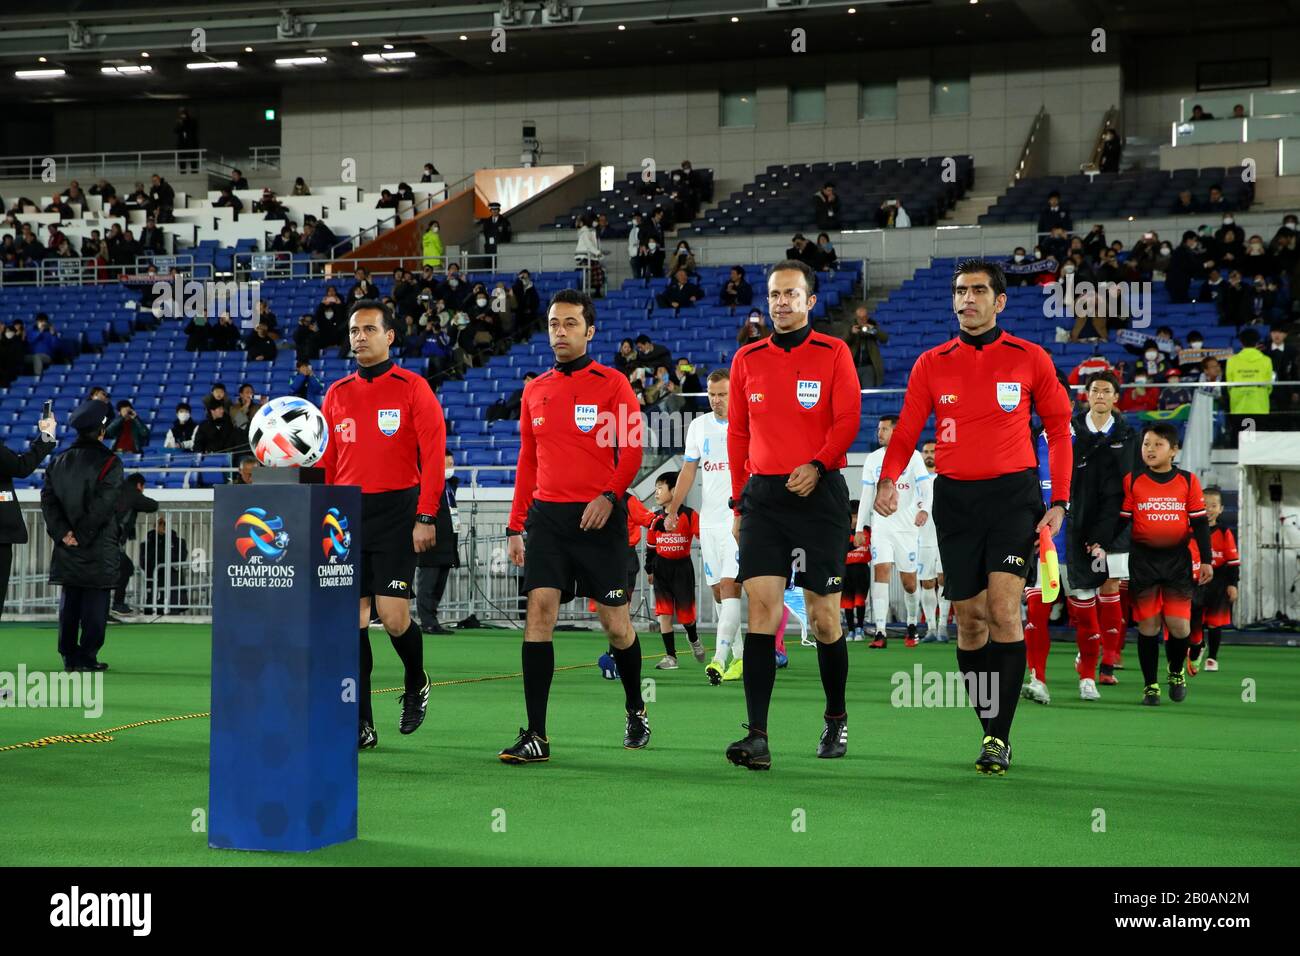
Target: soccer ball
pixel 288 432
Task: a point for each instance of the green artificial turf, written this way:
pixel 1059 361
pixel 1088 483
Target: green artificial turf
pixel 1212 781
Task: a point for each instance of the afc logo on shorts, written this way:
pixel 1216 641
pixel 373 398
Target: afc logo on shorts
pixel 834 582
pixel 1015 559
pixel 1009 396
pixel 584 416
pixel 808 391
pixel 396 585
pixel 390 419
pixel 615 594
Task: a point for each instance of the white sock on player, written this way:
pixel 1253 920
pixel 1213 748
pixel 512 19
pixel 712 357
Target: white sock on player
pixel 879 605
pixel 943 611
pixel 912 605
pixel 930 607
pixel 728 629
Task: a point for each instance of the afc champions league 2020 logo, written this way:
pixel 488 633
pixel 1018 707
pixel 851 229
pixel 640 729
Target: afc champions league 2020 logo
pixel 336 542
pixel 260 536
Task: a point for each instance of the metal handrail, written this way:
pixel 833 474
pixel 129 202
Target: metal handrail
pixel 423 205
pixel 1026 152
pixel 32 167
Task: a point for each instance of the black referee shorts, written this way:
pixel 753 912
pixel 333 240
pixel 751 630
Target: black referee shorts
pixel 558 554
pixel 984 526
pixel 779 529
pixel 387 553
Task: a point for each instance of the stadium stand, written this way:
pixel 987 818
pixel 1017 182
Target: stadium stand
pixel 634 194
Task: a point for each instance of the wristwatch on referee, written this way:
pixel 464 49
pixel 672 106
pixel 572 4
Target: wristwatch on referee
pixel 613 498
pixel 425 519
pixel 1062 504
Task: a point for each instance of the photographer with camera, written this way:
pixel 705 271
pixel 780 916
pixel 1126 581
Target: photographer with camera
pixel 864 340
pixel 126 431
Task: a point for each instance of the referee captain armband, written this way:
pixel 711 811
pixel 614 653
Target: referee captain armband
pixel 1049 567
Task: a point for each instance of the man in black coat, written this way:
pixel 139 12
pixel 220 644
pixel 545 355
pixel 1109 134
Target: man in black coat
pixel 496 230
pixel 1054 214
pixel 1185 264
pixel 81 492
pixel 737 291
pixel 187 138
pixel 217 433
pixel 13 530
pixel 527 304
pixel 132 502
pixel 1106 448
pixel 826 208
pixel 162 198
pixel 435 564
pixel 681 292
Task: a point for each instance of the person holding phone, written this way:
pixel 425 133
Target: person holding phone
pixel 754 327
pixel 13 530
pixel 864 339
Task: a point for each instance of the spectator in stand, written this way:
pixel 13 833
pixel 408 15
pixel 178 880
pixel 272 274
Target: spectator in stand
pixel 405 293
pixel 1151 361
pixel 268 318
pixel 440 349
pixel 634 247
pixel 1139 398
pixel 1239 112
pixel 89 245
pixel 588 254
pixel 300 187
pixel 270 207
pixel 654 229
pixel 181 433
pixel 286 241
pixel 41 346
pixel 1111 151
pixel 13 355
pixel 162 199
pixel 736 291
pixel 626 360
pixel 680 293
pixel 1256 261
pixel 405 193
pixel 228 198
pixel 200 335
pixel 603 229
pixel 128 434
pixel 1085 370
pixel 244 474
pixel 317 239
pixel 103 189
pixel 386 200
pixel 1094 243
pixel 431 245
pixel 804 251
pixel 1211 287
pixel 225 335
pixel 1211 370
pixel 754 327
pixel 527 304
pixel 329 317
pixel 305 384
pixel 186 131
pixel 892 215
pixel 430 174
pixel 829 260
pixel 1172 397
pixel 1217 203
pixel 496 230
pixel 60 205
pixel 216 433
pixel 1262 302
pixel 1186 263
pixel 138 198
pixel 306 337
pixel 864 340
pixel 237 180
pixel 455 291
pixel 1056 245
pixel 1233 301
pixel 508 408
pixel 651 355
pixel 245 407
pixel 683 258
pixel 151 238
pixel 1286 368
pixel 1200 114
pixel 1108 269
pixel 259 346
pixel 1054 214
pixel 826 208
pixel 652 258
pixel 1184 205
pixel 362 287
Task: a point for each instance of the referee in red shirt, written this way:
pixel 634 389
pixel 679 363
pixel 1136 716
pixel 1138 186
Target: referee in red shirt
pixel 987 501
pixel 794 411
pixel 389 436
pixel 581 434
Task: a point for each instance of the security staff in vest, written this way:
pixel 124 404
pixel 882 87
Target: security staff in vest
pixel 13 530
pixel 79 501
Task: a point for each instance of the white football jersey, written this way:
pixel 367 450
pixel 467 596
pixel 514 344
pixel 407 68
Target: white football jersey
pixel 706 444
pixel 914 485
pixel 929 537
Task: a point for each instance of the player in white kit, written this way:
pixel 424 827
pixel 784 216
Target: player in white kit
pixel 930 570
pixel 896 539
pixel 706 449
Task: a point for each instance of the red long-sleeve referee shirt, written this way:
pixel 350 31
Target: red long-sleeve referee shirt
pixel 980 390
pixel 580 435
pixel 794 399
pixel 385 423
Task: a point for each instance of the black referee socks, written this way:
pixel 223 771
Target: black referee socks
pixel 1176 653
pixel 539 667
pixel 760 676
pixel 974 667
pixel 1149 657
pixel 629 672
pixel 1007 662
pixel 366 714
pixel 410 648
pixel 670 643
pixel 833 662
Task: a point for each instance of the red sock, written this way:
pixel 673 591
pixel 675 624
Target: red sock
pixel 1197 634
pixel 1037 637
pixel 1164 631
pixel 1087 634
pixel 1110 614
pixel 780 631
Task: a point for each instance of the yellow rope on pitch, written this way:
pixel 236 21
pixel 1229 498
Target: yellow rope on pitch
pixel 105 736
